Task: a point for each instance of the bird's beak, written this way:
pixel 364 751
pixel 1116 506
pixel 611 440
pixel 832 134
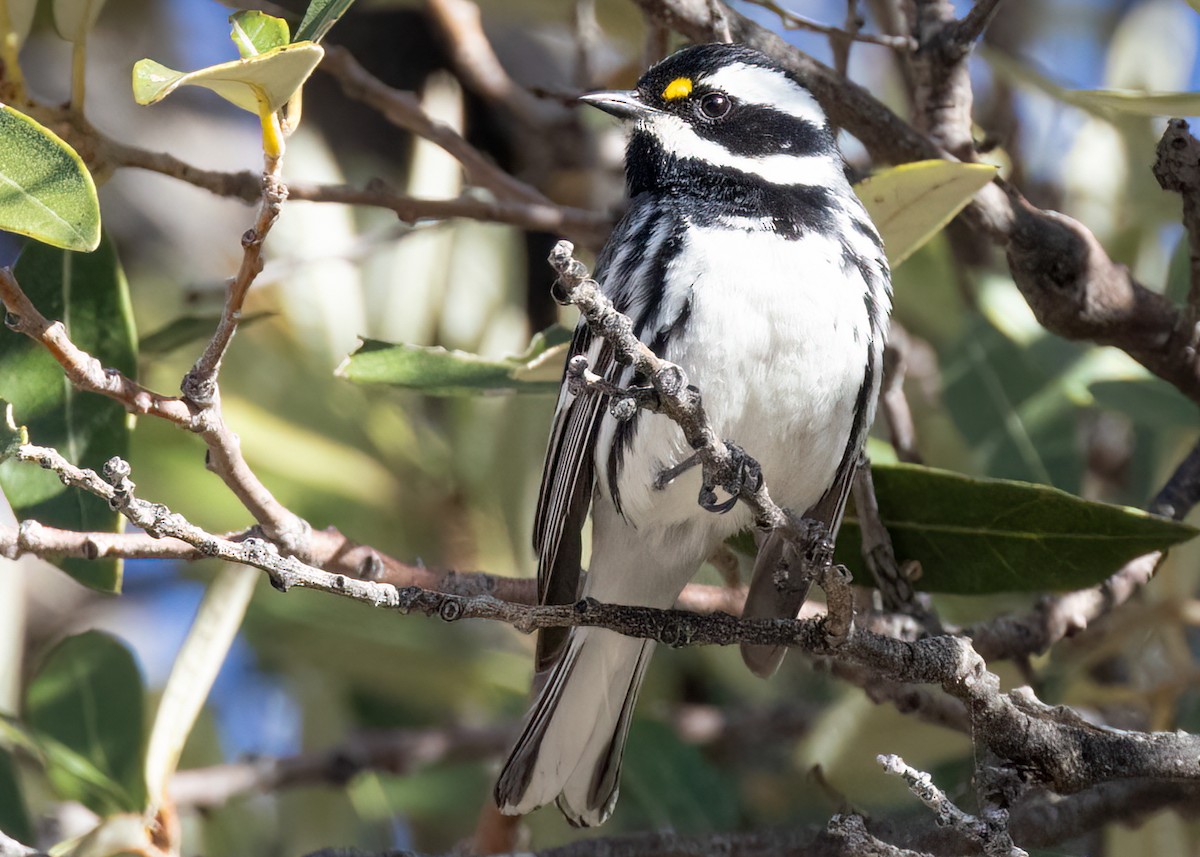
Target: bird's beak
pixel 624 104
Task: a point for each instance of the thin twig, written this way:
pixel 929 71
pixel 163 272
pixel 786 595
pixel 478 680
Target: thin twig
pixel 793 21
pixel 841 44
pixel 200 384
pixel 476 64
pixel 892 401
pixel 1177 169
pixel 399 752
pixel 106 154
pixel 992 833
pixel 82 369
pixel 973 24
pixel 327 549
pixel 674 397
pixel 880 558
pixel 403 109
pixel 224 449
pixel 586 225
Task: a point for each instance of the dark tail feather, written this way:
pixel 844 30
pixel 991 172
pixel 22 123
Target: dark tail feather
pixel 770 598
pixel 571 748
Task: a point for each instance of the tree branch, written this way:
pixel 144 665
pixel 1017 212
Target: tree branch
pixel 104 154
pixel 403 109
pixel 844 836
pixel 587 226
pixel 1053 746
pixel 329 550
pixel 476 64
pixel 1177 169
pixel 398 752
pixel 224 449
pixel 991 833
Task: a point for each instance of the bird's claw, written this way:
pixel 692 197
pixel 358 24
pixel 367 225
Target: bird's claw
pixel 746 474
pixel 818 546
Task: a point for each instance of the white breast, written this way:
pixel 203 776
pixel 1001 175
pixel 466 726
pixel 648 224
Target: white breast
pixel 777 342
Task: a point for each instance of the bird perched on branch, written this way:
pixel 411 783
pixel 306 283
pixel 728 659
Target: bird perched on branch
pixel 746 259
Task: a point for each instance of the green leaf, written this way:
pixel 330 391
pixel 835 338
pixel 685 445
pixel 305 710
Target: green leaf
pixel 1009 399
pixel 256 33
pixel 88 696
pixel 60 762
pixel 89 294
pixel 909 204
pixel 74 19
pixel 436 371
pixel 45 190
pixel 1149 401
pixel 188 329
pixel 668 781
pixel 261 84
pixel 14 817
pixel 319 17
pixel 981 536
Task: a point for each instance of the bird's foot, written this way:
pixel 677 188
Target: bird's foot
pixel 746 474
pixel 818 545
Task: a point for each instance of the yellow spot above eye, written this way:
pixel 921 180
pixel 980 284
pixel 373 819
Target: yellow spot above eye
pixel 680 87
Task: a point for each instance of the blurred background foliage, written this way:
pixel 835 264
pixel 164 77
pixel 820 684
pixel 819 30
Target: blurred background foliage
pixel 452 481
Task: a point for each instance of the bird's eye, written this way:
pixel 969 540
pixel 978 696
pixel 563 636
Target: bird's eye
pixel 715 105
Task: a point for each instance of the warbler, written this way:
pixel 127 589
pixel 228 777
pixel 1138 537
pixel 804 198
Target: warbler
pixel 745 258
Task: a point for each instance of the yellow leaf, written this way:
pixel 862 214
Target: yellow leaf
pixel 260 84
pixel 912 202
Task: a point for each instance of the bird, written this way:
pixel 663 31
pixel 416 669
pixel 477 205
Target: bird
pixel 745 258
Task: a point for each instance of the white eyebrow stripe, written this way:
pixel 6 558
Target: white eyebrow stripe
pixel 678 138
pixel 762 86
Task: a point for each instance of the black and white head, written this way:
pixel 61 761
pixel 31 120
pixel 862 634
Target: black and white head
pixel 725 115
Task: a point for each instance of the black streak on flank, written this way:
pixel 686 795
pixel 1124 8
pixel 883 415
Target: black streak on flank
pixel 863 229
pixel 626 431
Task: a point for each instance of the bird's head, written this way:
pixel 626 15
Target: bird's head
pixel 728 113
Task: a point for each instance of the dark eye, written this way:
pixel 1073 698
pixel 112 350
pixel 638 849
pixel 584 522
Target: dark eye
pixel 714 105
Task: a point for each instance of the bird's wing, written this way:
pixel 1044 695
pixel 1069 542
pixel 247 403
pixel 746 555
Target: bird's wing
pixel 567 481
pixel 629 273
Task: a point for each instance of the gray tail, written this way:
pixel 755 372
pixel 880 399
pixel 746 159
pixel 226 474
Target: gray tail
pixel 571 748
pixel 769 598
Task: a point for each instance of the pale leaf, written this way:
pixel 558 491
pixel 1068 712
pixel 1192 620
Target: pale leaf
pixel 910 203
pixel 261 84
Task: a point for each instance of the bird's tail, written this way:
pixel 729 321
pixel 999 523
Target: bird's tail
pixel 574 737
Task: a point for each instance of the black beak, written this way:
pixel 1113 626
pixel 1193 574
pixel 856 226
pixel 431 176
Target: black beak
pixel 624 104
